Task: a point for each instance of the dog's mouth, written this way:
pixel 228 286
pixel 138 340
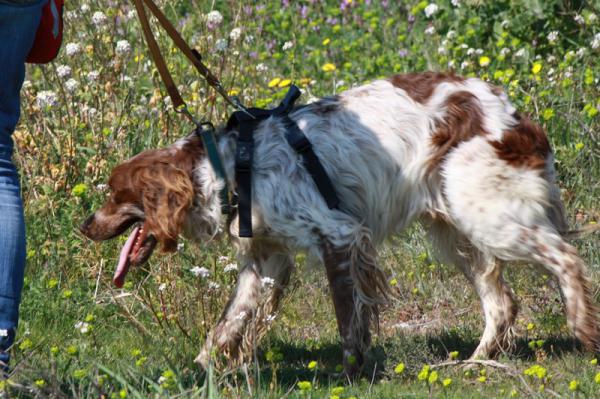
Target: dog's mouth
pixel 136 251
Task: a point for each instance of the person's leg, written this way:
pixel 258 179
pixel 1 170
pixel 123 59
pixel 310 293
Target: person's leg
pixel 18 25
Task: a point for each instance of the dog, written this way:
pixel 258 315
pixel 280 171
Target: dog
pixel 450 152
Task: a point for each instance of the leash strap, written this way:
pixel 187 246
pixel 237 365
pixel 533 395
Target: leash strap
pixel 246 123
pixel 191 54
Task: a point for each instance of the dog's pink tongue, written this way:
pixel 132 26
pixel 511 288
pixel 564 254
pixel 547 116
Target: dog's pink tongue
pixel 123 266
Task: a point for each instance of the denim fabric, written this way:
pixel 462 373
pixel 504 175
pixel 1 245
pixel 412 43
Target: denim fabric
pixel 18 25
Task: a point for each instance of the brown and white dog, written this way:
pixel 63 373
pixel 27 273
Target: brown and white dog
pixel 450 152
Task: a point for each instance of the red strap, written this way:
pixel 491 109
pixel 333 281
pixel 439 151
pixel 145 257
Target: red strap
pixel 49 34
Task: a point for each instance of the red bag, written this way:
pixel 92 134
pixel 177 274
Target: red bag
pixel 49 34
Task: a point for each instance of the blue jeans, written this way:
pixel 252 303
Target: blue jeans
pixel 18 25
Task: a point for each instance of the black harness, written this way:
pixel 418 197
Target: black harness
pixel 246 122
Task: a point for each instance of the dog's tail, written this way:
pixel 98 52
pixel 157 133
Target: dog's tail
pixel 371 287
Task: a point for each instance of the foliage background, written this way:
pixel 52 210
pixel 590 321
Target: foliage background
pixel 102 101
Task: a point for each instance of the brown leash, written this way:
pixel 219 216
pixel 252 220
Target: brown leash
pixel 190 53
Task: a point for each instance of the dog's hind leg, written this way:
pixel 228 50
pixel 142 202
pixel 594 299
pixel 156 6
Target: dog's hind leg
pixel 546 247
pixel 355 282
pixel 259 273
pixel 485 274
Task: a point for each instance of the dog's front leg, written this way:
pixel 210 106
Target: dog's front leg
pixel 225 337
pixel 352 321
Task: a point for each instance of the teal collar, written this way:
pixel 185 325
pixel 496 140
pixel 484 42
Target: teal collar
pixel 206 132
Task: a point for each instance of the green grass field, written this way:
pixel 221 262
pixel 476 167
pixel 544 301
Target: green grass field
pixel 102 101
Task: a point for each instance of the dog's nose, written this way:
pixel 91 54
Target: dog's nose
pixel 85 225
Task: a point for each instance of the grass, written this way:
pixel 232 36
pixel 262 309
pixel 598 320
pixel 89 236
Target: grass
pixel 81 337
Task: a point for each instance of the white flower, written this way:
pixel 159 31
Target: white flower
pixel 581 52
pixel 221 45
pixel 505 51
pixel 84 7
pixel 82 326
pixel 270 318
pixel 267 282
pixel 162 287
pixel 123 47
pixel 73 49
pixel 579 19
pixel 471 51
pixel 235 34
pixel 232 267
pixel 261 67
pixel 553 36
pixel 505 23
pixel 442 50
pixel 92 76
pixel 287 45
pixel 455 3
pixel 63 71
pixel 451 34
pixel 592 18
pixel 465 64
pixel 71 85
pixel 241 315
pixel 3 333
pixel 214 18
pixel 99 18
pixel 213 285
pixel 451 64
pixel 162 379
pixel 249 39
pixel 430 30
pixel 431 9
pixel 551 59
pixel 200 271
pixel 27 84
pixel 479 51
pixel 92 111
pixel 520 53
pixel 101 187
pixel 180 245
pixel 596 42
pixel 46 98
pixel 222 259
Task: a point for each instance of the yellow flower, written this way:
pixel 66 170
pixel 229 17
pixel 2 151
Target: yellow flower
pixel 579 146
pixel 424 373
pixel 574 385
pixel 274 82
pixel 454 355
pixel 312 365
pixel 530 327
pixel 594 361
pixel 536 68
pixel 233 92
pixel 285 83
pixel 328 67
pixel 447 382
pixel 548 114
pixel 337 391
pixel 399 369
pixel 326 42
pixel 393 282
pixel 597 378
pixel 433 377
pixel 304 385
pixel 483 378
pixel 40 383
pixel 484 61
pixel 305 82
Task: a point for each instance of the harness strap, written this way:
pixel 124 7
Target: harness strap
pixel 300 143
pixel 243 176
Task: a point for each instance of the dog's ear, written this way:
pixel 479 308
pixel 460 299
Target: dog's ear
pixel 167 193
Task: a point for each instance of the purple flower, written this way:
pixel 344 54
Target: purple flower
pixel 304 11
pixel 403 53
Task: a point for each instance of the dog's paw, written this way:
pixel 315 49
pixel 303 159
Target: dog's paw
pixel 203 358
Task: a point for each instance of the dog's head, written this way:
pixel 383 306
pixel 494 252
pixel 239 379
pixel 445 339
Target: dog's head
pixel 152 192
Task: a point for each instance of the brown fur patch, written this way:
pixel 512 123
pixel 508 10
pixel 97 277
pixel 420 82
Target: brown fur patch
pixel 525 145
pixel 463 121
pixel 420 86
